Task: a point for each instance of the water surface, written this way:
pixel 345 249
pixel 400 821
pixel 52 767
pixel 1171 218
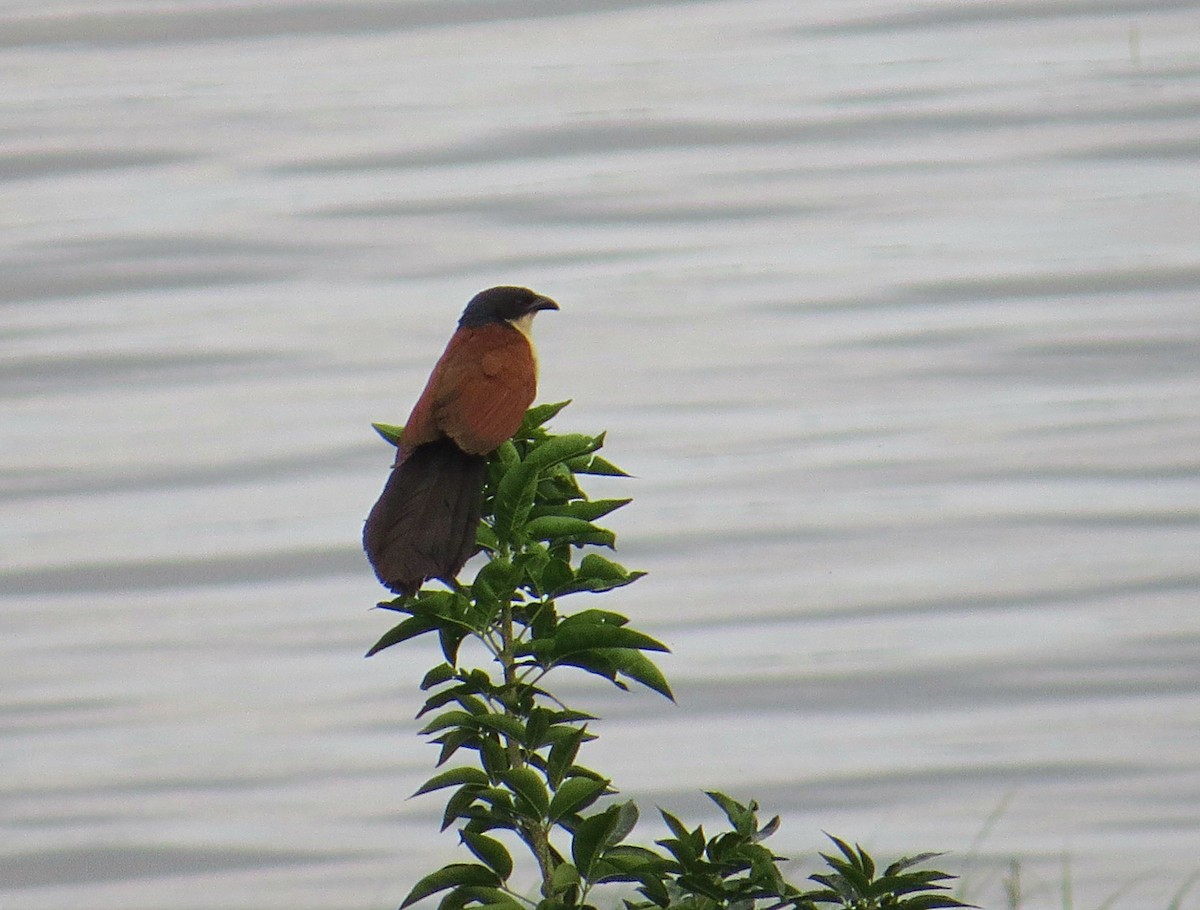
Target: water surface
pixel 891 308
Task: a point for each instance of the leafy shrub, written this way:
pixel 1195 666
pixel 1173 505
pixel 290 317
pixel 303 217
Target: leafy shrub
pixel 511 748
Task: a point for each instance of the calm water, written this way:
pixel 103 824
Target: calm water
pixel 892 309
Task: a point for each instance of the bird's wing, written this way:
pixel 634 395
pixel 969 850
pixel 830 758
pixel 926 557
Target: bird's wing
pixel 479 390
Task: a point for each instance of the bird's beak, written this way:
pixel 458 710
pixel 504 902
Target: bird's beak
pixel 541 303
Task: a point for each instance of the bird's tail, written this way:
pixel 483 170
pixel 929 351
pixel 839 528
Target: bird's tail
pixel 424 524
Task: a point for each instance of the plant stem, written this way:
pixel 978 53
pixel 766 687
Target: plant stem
pixel 536 836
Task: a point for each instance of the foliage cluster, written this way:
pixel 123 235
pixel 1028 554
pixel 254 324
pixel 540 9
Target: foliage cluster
pixel 511 748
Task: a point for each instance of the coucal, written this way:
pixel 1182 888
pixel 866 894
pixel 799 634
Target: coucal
pixel 424 524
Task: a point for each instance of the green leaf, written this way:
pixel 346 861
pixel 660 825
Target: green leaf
pixel 638 667
pixel 556 575
pixel 654 889
pixel 562 755
pixel 907 862
pixel 930 902
pixel 448 605
pixel 448 877
pixel 727 847
pixel 480 898
pixel 493 756
pixel 498 900
pixel 455 899
pixel 857 883
pixel 767 830
pixel 741 817
pixel 453 777
pixel 490 851
pixel 507 454
pixel 835 889
pixel 438 675
pixel 594 617
pixel 453 740
pixel 449 638
pixel 597 574
pixel 400 604
pixel 455 718
pixel 593 662
pixel 705 888
pixel 586 509
pixel 569 716
pixel 627 819
pixel 486 538
pixel 593 585
pixel 495 581
pixel 543 620
pixel 908 884
pixel 675 825
pixel 389 432
pixel 632 857
pixel 865 862
pixel 410 628
pixel 590 838
pixel 459 803
pixel 558 485
pixel 526 783
pixel 594 464
pixel 572 530
pixel 536 729
pixel 637 864
pixel 557 449
pixel 514 499
pixel 565 876
pixel 538 415
pixel 846 850
pixel 475 705
pixel 529 567
pixel 500 799
pixel 502 723
pixel 571 637
pixel 435 701
pixel 574 795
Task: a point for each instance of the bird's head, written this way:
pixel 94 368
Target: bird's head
pixel 504 304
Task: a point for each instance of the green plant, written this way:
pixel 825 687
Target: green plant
pixel 511 748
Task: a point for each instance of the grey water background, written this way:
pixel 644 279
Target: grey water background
pixel 891 308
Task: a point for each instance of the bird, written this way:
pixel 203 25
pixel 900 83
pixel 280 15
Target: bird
pixel 424 523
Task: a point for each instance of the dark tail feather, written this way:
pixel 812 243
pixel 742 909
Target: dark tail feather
pixel 424 524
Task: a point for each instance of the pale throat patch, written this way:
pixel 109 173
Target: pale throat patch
pixel 524 325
